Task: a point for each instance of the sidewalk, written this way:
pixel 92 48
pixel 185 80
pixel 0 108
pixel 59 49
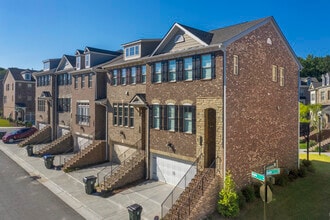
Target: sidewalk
pixel 70 188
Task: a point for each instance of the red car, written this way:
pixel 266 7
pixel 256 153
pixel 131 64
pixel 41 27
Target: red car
pixel 18 134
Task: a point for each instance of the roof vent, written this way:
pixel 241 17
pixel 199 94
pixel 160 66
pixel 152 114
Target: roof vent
pixel 179 38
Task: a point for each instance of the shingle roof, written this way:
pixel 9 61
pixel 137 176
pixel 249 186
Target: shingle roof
pixel 203 35
pixel 92 49
pixel 17 73
pixel 71 59
pixel 223 34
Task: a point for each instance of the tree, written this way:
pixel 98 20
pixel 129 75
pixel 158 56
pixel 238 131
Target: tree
pixel 314 66
pixel 309 113
pixel 228 204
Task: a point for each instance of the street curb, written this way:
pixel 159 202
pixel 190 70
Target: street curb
pixel 66 197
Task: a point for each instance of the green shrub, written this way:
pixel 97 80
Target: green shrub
pixel 293 174
pixel 241 199
pixel 302 171
pixel 306 163
pixel 256 187
pixel 282 179
pixel 248 192
pixel 311 169
pixel 312 143
pixel 228 203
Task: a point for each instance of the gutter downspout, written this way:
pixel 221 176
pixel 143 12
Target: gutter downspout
pixel 148 145
pixel 54 113
pixel 223 48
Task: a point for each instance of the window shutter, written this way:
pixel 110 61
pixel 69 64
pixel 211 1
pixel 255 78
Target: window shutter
pixel 165 117
pixel 152 66
pixel 110 78
pixel 161 110
pixel 193 110
pixel 164 71
pixel 128 76
pixel 197 67
pixel 212 66
pixel 151 116
pixel 118 76
pixel 181 118
pixel 176 121
pixel 180 69
pixel 138 74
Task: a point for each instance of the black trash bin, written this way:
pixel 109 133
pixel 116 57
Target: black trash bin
pixel 134 211
pixel 89 184
pixel 49 161
pixel 29 150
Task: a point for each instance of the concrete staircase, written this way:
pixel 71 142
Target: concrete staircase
pixel 42 136
pixel 190 202
pixel 130 170
pixel 324 143
pixel 90 155
pixel 61 145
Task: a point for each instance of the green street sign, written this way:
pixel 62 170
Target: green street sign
pixel 258 176
pixel 273 171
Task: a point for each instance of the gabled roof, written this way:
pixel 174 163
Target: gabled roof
pixel 315 85
pixel 139 100
pixel 202 35
pixel 17 73
pixel 79 52
pixel 96 50
pixel 67 58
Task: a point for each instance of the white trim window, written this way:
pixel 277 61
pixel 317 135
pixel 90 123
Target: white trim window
pixel 78 60
pixel 172 70
pixel 188 68
pixel 171 117
pixel 281 76
pixel 206 66
pixel 87 60
pixel 82 81
pixel 115 114
pixel 120 114
pixel 143 74
pixel 158 72
pixel 132 51
pixel 75 82
pixel 274 73
pixel 90 80
pixel 115 77
pixel 187 118
pixel 123 76
pixel 83 116
pixel 133 75
pixel 322 95
pixel 156 116
pixel 236 67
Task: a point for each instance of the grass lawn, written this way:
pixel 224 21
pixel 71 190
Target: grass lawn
pixel 305 198
pixel 4 123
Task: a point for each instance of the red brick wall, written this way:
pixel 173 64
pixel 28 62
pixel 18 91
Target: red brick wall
pixel 262 116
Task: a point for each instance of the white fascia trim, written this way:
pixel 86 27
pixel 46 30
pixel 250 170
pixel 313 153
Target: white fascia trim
pixel 193 36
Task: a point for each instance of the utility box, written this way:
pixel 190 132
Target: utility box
pixel 89 184
pixel 134 211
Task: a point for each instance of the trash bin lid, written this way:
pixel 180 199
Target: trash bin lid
pixel 134 207
pixel 92 177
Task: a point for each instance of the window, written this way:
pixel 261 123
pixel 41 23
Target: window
pixel 115 76
pixel 133 75
pixel 59 80
pixel 63 104
pixel 90 80
pixel 178 38
pixel 7 87
pixel 82 113
pixel 29 85
pixel 158 72
pixel 123 77
pixel 156 116
pixel 41 105
pixel 329 95
pixel 187 68
pixel 82 81
pixel 274 73
pixel 12 86
pixel 126 115
pixel 187 119
pixel 65 79
pixel 20 84
pixel 115 114
pixel 281 76
pixel 27 76
pixel 206 67
pixel 69 79
pixel 322 96
pixel 131 116
pixel 143 74
pixel 46 66
pixel 172 71
pixel 313 97
pixel 47 79
pixel 120 114
pixel 132 51
pixel 87 60
pixel 235 65
pixel 78 59
pixel 171 117
pixel 75 82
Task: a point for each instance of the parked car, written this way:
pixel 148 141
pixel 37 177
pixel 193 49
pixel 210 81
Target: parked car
pixel 18 134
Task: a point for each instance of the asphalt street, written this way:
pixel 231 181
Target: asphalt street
pixel 23 197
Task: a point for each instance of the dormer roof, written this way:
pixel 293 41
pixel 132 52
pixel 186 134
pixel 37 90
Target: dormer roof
pixel 96 50
pixel 66 58
pixel 18 74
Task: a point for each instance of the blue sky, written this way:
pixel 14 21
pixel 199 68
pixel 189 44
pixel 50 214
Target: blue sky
pixel 35 30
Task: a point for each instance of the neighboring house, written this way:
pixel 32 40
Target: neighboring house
pixel 89 96
pixel 19 95
pixel 304 94
pixel 1 94
pixel 227 97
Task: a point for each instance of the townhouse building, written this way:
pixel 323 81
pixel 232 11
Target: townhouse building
pixel 19 95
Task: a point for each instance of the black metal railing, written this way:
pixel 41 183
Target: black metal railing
pixel 179 188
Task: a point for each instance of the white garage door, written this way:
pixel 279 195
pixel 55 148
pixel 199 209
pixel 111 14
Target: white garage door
pixel 169 170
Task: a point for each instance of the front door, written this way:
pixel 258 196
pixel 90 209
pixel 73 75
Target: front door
pixel 210 136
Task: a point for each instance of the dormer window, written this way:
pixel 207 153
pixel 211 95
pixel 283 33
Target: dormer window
pixel 179 38
pixel 26 76
pixel 87 60
pixel 46 66
pixel 78 60
pixel 132 51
